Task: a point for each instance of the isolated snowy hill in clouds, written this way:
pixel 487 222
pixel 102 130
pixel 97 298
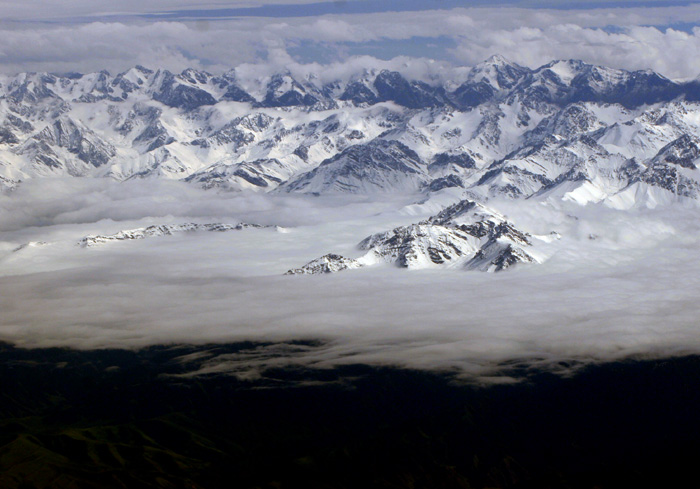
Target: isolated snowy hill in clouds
pixel 465 235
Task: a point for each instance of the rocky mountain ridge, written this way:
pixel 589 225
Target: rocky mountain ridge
pixel 566 129
pixel 163 230
pixel 465 235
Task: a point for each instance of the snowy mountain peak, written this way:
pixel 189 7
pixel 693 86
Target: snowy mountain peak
pixel 566 70
pixel 195 77
pixel 684 152
pixel 497 72
pixel 465 235
pixel 497 60
pixel 465 212
pixel 329 263
pixel 378 166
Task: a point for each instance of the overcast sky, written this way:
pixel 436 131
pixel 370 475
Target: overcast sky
pixel 90 35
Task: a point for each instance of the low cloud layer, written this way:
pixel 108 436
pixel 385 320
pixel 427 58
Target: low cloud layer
pixel 630 291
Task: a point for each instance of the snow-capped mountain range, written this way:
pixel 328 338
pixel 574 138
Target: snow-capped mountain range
pixel 566 130
pixel 163 230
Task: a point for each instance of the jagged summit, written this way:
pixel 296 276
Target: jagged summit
pixel 684 152
pixel 465 235
pixel 329 263
pixel 380 166
pixel 499 72
pixel 496 60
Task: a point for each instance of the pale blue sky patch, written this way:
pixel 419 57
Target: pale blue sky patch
pixel 161 10
pixel 679 26
pixel 349 7
pixel 422 47
pixel 306 51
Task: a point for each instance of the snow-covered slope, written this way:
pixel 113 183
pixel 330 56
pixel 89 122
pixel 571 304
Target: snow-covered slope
pixel 564 130
pixel 378 166
pixel 464 235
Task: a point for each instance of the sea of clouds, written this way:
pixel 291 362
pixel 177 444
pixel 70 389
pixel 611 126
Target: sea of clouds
pixel 618 284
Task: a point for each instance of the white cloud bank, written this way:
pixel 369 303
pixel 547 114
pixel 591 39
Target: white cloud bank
pixel 632 291
pixel 528 36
